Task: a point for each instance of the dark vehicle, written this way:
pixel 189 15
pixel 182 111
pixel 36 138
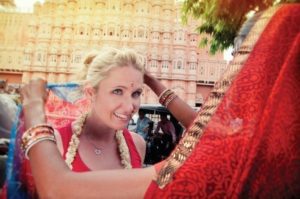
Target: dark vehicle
pixel 159 145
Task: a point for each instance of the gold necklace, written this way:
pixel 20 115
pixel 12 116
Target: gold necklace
pixel 77 127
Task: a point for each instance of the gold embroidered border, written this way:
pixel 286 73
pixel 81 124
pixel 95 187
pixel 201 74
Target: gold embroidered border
pixel 194 133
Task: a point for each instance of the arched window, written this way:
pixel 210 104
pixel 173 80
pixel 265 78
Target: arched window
pixel 179 35
pixel 111 31
pixel 141 32
pixel 64 59
pixel 27 57
pixel 77 58
pixel 179 64
pixel 81 30
pixel 165 64
pixel 39 57
pixel 153 64
pixel 166 36
pixel 53 58
pixel 193 65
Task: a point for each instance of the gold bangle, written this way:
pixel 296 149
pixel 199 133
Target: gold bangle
pixel 30 130
pixel 164 96
pixel 34 142
pixel 163 101
pixel 35 133
pixel 27 142
pixel 162 93
pixel 169 100
pixel 28 135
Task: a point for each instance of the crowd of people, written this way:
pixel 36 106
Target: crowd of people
pixel 159 141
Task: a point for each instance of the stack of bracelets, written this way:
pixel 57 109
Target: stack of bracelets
pixel 35 135
pixel 166 97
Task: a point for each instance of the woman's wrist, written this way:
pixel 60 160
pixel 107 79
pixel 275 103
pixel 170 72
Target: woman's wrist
pixel 30 102
pixel 34 113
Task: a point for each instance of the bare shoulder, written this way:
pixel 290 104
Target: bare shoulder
pixel 140 144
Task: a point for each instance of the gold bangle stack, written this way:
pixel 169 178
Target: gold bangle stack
pixel 35 135
pixel 166 97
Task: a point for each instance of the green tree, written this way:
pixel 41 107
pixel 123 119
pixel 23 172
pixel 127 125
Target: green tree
pixel 221 19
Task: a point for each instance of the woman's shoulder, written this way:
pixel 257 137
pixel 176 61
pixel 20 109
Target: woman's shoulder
pixel 139 143
pixel 138 139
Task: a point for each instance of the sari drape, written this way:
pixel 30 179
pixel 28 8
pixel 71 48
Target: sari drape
pixel 65 102
pixel 250 145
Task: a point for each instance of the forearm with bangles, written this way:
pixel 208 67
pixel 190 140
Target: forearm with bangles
pixel 54 179
pixel 180 109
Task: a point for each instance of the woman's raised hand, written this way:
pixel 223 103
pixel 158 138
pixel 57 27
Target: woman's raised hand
pixel 33 96
pixel 34 91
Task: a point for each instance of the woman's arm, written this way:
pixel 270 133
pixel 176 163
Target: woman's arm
pixel 54 180
pixel 52 176
pixel 181 110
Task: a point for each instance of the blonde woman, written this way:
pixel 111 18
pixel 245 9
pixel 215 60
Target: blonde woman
pixel 99 139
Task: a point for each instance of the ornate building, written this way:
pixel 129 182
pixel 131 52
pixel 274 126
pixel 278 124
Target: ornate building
pixel 51 42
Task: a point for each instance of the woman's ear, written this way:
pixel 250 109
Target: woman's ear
pixel 89 92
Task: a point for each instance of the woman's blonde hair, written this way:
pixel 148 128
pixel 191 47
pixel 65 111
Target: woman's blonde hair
pixel 97 64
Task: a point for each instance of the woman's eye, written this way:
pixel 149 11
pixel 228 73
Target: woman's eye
pixel 117 92
pixel 136 94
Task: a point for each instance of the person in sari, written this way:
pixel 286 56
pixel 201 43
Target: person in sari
pixel 244 143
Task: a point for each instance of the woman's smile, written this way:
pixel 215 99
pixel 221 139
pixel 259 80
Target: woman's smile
pixel 122 117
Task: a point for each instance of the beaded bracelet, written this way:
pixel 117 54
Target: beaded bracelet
pixel 36 134
pixel 166 97
pixel 163 93
pixel 35 131
pixel 169 100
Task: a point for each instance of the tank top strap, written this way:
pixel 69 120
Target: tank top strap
pixel 135 157
pixel 65 134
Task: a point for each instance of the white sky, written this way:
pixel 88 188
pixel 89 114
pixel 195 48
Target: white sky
pixel 26 5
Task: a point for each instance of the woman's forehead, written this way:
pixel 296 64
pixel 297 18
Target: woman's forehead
pixel 128 77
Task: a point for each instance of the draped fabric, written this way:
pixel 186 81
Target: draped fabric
pixel 65 102
pixel 250 148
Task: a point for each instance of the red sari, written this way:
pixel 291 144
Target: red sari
pixel 250 147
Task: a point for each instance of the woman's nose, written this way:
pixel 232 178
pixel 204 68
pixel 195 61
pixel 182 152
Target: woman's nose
pixel 129 106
